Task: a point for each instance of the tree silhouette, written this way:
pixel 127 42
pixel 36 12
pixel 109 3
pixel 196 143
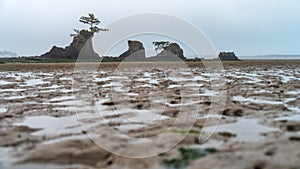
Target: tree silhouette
pixel 160 45
pixel 92 21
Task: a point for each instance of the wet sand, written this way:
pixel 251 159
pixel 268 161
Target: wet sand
pixel 52 118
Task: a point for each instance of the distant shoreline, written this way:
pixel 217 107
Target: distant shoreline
pixel 71 65
pixel 29 60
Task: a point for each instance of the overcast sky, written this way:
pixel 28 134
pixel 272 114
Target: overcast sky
pixel 248 27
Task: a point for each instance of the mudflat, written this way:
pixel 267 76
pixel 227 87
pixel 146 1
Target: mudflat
pixel 69 66
pixel 244 114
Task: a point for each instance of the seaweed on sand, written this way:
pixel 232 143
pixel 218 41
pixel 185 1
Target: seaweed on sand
pixel 187 155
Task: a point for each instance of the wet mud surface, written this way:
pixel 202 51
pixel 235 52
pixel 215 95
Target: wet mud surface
pixel 246 115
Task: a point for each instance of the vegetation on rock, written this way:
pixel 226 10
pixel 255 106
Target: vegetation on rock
pixel 160 45
pixel 92 21
pixel 81 38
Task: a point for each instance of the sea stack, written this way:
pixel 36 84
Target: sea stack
pixel 228 56
pixel 172 52
pixel 81 44
pixel 136 51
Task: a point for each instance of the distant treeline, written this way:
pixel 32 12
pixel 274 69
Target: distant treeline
pixel 38 60
pixel 29 60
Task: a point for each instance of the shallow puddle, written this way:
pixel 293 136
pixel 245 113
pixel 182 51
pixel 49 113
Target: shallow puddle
pixel 2 82
pixel 14 97
pixel 209 144
pixel 3 110
pixel 52 126
pixel 255 100
pixel 293 92
pixel 35 82
pixel 246 130
pixel 295 117
pixel 12 90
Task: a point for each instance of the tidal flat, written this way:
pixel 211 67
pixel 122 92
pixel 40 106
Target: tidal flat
pixel 245 115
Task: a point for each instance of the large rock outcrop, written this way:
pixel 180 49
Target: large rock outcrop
pixel 136 51
pixel 171 52
pixel 228 56
pixel 81 44
pixel 55 53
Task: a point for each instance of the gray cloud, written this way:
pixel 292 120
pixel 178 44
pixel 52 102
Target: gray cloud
pixel 249 27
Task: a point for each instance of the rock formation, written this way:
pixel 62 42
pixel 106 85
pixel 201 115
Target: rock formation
pixel 82 42
pixel 171 52
pixel 55 53
pixel 136 51
pixel 228 56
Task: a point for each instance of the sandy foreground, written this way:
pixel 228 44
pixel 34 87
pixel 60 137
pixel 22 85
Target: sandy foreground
pixel 234 115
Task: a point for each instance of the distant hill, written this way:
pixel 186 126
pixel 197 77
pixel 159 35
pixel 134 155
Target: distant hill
pixel 274 57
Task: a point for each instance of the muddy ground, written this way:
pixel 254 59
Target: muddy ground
pixel 148 115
